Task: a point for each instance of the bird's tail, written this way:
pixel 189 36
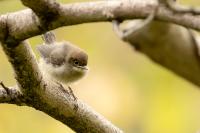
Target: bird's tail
pixel 49 38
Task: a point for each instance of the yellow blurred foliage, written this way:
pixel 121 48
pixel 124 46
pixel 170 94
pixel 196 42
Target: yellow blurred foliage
pixel 123 85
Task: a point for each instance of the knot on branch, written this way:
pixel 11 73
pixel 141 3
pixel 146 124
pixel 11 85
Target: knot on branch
pixel 5 29
pixel 11 95
pixel 47 11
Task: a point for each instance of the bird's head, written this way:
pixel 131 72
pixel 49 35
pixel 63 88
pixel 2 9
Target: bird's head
pixel 78 60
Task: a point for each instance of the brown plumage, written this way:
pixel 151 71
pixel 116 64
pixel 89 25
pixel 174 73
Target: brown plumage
pixel 62 61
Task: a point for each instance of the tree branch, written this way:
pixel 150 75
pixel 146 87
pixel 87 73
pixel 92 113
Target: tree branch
pixel 42 6
pixel 25 24
pixel 11 95
pixel 51 97
pixel 177 48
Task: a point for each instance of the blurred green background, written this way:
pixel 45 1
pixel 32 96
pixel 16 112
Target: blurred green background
pixel 126 87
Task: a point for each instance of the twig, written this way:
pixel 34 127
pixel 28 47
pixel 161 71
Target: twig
pixel 134 29
pixel 6 88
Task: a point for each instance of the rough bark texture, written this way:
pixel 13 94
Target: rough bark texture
pixel 11 95
pixel 23 24
pixel 172 46
pixel 51 97
pixel 169 45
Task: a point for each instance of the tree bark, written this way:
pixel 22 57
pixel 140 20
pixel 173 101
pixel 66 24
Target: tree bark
pixel 172 46
pixel 18 26
pixel 158 40
pixel 51 97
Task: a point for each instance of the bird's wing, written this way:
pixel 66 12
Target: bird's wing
pixel 45 50
pixel 57 57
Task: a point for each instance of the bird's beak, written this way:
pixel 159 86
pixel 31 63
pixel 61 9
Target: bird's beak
pixel 83 67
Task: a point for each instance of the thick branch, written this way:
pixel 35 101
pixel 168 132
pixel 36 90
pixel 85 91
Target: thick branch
pixel 24 24
pixel 11 95
pixel 172 46
pixel 46 10
pixel 52 98
pixel 42 6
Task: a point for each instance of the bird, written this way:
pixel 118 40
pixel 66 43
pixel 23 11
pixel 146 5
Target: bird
pixel 62 61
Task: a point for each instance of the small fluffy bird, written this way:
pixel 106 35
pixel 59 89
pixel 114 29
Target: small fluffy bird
pixel 62 61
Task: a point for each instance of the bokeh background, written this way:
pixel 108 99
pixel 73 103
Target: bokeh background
pixel 134 93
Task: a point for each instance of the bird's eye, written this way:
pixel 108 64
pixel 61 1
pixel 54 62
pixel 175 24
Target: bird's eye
pixel 76 62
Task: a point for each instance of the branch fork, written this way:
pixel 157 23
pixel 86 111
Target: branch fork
pixel 52 98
